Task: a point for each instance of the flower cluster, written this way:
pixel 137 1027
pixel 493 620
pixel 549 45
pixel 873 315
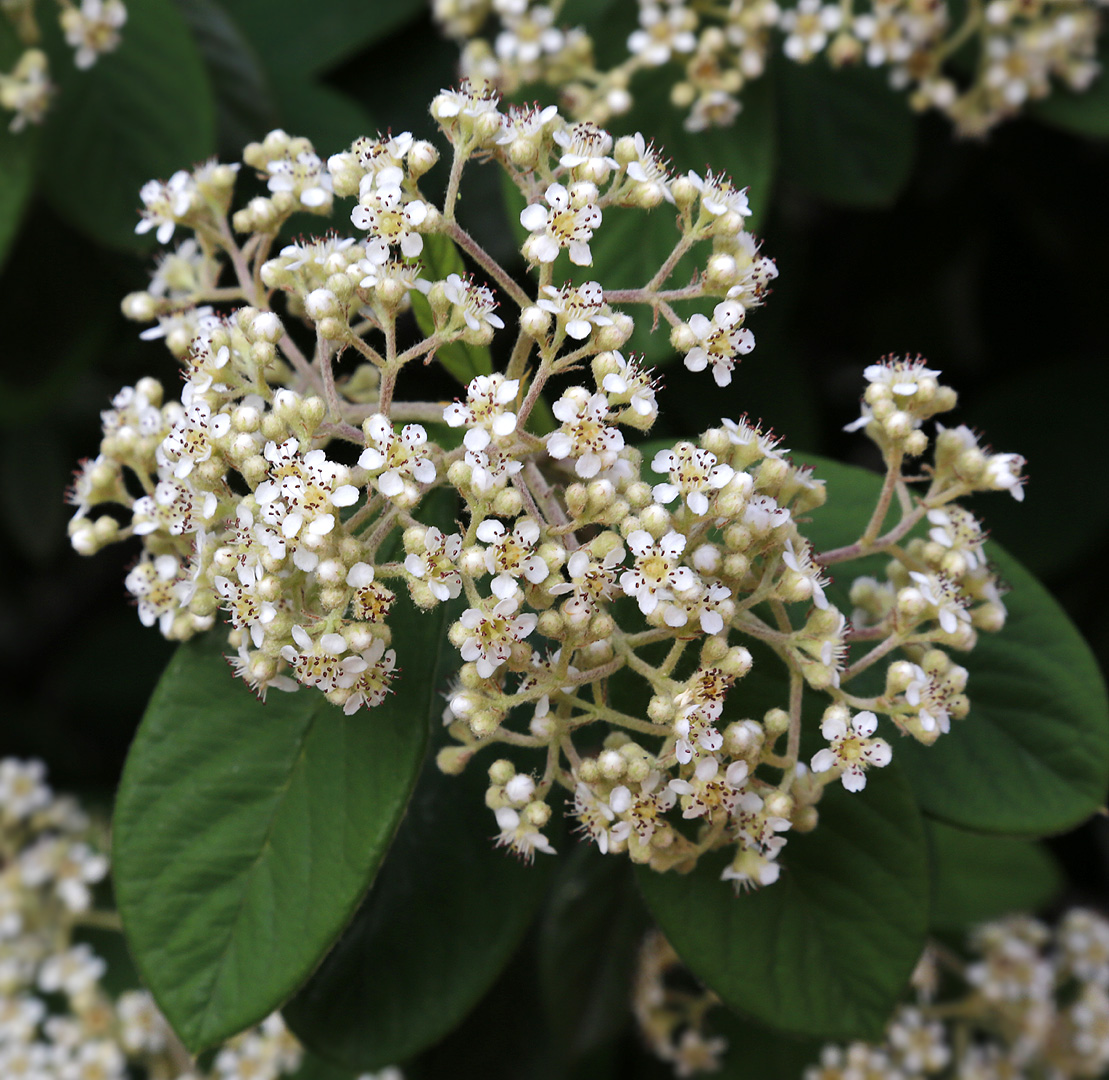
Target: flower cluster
pixel 287 492
pixel 57 1019
pixel 710 53
pixel 91 28
pixel 1035 1003
pixel 1029 1000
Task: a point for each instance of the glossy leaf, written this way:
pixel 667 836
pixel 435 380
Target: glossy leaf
pixel 976 877
pixel 294 37
pixel 843 134
pixel 439 258
pixel 140 113
pixel 246 833
pixel 441 921
pixel 827 950
pixel 245 106
pixel 1032 758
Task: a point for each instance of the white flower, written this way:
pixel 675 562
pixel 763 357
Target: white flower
pixel 520 835
pixel 852 749
pixel 528 35
pixel 157 586
pixel 656 575
pixel 22 788
pixel 807 26
pixel 704 792
pixel 585 151
pixel 395 461
pixel 305 176
pixel 592 581
pixel 649 172
pixel 945 598
pixel 511 555
pixel 719 196
pixel 476 302
pixel 584 435
pixel 437 564
pixel 720 341
pixel 663 32
pixel 166 204
pixel 484 411
pixel 390 219
pixel 247 607
pixel 631 386
pixel 567 224
pixel 73 972
pixel 93 28
pixel 578 308
pixel 597 817
pixel 694 474
pixel 488 635
pixel 802 564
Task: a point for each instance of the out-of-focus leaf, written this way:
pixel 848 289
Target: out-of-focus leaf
pixel 976 877
pixel 443 917
pixel 300 39
pixel 245 833
pixel 440 257
pixel 330 118
pixel 843 134
pixel 140 113
pixel 827 950
pixel 245 108
pixel 588 944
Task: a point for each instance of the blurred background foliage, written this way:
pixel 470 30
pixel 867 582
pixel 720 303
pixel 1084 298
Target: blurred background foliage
pixel 989 258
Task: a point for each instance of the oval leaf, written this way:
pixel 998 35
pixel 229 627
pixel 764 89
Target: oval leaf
pixel 444 916
pixel 976 878
pixel 1032 758
pixel 142 112
pixel 843 134
pixel 245 833
pixel 827 950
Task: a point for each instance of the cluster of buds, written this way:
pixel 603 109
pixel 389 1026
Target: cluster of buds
pixel 286 492
pixel 57 1019
pixel 92 29
pixel 711 52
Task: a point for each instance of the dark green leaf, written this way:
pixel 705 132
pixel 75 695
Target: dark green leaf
pixel 843 134
pixel 245 109
pixel 245 833
pixel 444 916
pixel 976 878
pixel 142 112
pixel 331 119
pixel 1032 758
pixel 295 37
pixel 827 950
pixel 588 946
pixel 1085 112
pixel 440 257
pixel 758 1053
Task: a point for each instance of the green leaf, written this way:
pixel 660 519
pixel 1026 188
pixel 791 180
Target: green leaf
pixel 246 833
pixel 1032 758
pixel 827 950
pixel 588 947
pixel 442 919
pixel 245 108
pixel 976 878
pixel 309 39
pixel 1082 113
pixel 441 257
pixel 843 134
pixel 330 118
pixel 142 112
